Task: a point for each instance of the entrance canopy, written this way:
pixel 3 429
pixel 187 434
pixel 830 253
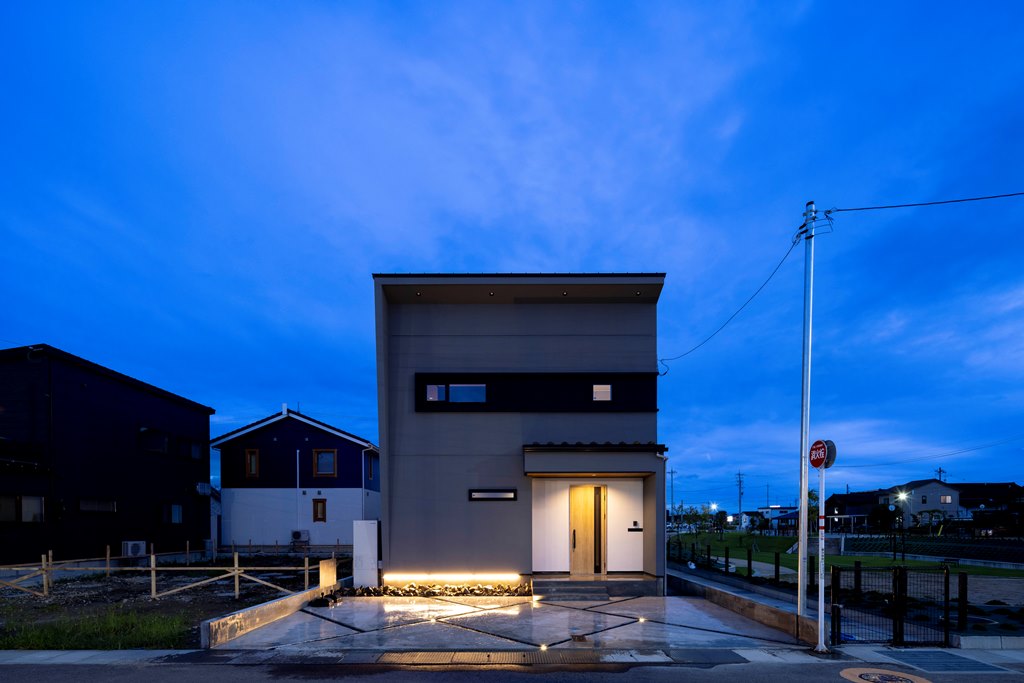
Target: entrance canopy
pixel 608 459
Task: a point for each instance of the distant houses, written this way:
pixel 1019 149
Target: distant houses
pixel 981 509
pixel 91 458
pixel 291 480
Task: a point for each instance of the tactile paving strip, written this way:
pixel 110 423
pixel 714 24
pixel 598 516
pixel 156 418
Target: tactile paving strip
pixel 937 661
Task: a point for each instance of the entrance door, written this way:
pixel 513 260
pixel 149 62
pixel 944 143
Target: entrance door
pixel 588 515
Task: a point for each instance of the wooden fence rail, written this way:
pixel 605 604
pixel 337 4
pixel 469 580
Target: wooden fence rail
pixel 47 567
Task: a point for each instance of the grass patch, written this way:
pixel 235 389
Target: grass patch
pixel 112 630
pixel 767 546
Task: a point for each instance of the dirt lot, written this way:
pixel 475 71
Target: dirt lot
pixel 92 595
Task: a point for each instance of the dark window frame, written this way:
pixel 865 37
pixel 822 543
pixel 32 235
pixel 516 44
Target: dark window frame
pixel 316 462
pixel 252 472
pixel 319 510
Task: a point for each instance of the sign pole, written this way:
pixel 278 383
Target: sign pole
pixel 821 561
pixel 821 456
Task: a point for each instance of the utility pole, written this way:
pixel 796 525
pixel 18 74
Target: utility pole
pixel 739 487
pixel 940 472
pixel 672 487
pixel 806 232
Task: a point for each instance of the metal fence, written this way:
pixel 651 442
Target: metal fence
pixel 891 605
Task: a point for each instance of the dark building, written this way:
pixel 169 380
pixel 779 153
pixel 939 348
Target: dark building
pixel 90 457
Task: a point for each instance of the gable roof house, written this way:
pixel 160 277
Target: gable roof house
pixel 90 457
pixel 518 427
pixel 291 480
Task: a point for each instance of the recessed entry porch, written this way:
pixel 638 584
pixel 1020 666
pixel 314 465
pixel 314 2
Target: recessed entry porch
pixel 596 525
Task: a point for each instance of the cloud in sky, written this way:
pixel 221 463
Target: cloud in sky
pixel 196 195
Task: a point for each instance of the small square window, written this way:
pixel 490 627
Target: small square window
pixel 946 499
pixel 252 462
pixel 924 500
pixel 436 392
pixel 602 392
pixel 175 514
pixel 319 509
pixel 325 462
pixel 468 393
pixel 32 508
pixel 8 509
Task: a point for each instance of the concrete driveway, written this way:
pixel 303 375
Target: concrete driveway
pixel 508 624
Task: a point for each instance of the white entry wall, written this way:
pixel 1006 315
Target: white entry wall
pixel 551 523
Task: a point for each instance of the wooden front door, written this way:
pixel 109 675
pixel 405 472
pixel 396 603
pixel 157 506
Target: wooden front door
pixel 587 528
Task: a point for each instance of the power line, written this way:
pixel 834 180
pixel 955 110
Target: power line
pixel 937 455
pixel 936 203
pixel 738 310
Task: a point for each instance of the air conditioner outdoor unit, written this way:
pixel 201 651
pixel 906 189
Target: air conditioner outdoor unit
pixel 300 536
pixel 133 548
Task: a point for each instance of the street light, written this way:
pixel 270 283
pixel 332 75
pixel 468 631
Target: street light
pixel 902 498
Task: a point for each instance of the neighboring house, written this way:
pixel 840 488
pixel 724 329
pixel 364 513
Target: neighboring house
pixel 290 479
pixel 975 498
pixel 849 512
pixel 922 501
pixel 781 518
pixel 518 426
pixel 91 458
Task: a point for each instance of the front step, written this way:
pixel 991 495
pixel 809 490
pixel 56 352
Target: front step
pixel 562 589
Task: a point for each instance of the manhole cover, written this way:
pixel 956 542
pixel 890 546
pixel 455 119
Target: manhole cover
pixel 880 676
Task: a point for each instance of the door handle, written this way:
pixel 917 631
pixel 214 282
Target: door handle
pixel 574 539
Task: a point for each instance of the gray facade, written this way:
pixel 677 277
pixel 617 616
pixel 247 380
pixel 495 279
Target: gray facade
pixel 509 368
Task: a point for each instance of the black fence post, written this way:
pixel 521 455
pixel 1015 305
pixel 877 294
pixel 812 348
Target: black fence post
pixel 709 556
pixel 837 624
pixel 945 606
pixel 750 563
pixel 899 597
pixel 961 605
pixel 777 566
pixel 835 591
pixel 693 552
pixel 857 576
pixel 726 559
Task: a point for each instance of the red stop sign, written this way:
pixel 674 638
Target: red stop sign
pixel 819 453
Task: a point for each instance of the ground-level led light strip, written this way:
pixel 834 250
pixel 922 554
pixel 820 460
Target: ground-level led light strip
pixel 452 578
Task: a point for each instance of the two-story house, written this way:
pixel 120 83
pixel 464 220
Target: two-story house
pixel 289 479
pixel 518 426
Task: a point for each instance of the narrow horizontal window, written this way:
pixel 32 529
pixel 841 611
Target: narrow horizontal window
pixel 97 505
pixel 493 494
pixel 468 393
pixel 602 392
pixel 436 392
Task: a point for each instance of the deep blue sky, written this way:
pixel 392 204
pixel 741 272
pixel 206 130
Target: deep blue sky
pixel 196 194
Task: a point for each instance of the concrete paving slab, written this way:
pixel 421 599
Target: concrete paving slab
pixel 650 634
pixel 295 628
pixel 538 623
pixel 371 614
pixel 487 602
pixel 695 613
pixel 422 636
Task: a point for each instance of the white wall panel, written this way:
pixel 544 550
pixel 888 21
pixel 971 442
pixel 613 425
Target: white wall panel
pixel 268 516
pixel 551 523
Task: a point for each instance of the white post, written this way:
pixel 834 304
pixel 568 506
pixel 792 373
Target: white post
pixel 807 232
pixel 298 493
pixel 821 560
